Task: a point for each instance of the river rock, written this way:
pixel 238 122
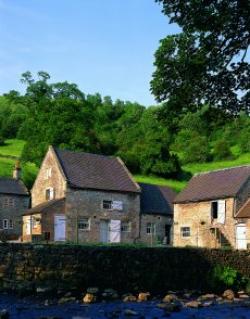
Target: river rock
pixel 130 312
pixel 169 298
pixel 93 290
pixel 64 300
pixel 89 298
pixel 129 298
pixel 193 304
pixel 207 297
pixel 143 296
pixel 228 294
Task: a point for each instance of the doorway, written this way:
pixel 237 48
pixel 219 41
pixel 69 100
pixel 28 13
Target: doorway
pixel 241 237
pixel 59 228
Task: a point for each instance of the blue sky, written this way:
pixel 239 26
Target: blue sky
pixel 104 46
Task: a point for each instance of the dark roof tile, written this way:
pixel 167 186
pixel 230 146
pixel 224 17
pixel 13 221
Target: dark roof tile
pixel 47 206
pixel 12 186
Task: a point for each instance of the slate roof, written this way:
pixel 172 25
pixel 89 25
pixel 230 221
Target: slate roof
pixel 92 171
pixel 214 185
pixel 244 211
pixel 12 186
pixel 156 199
pixel 46 207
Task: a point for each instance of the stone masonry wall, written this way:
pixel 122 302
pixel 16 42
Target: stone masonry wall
pixel 56 181
pixel 25 267
pixel 14 213
pixel 197 216
pixel 88 204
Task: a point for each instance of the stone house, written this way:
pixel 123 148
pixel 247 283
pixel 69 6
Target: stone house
pixel 213 210
pixel 82 197
pixel 14 201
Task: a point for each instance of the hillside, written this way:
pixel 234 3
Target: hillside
pixel 10 152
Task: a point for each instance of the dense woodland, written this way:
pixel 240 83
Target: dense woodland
pixel 201 82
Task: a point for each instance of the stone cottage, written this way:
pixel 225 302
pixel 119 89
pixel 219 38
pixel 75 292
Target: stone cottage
pixel 82 197
pixel 14 201
pixel 213 210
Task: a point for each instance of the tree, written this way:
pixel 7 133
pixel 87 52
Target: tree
pixel 207 62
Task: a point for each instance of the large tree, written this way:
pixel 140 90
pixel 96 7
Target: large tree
pixel 208 62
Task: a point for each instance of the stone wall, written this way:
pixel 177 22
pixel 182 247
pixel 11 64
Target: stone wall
pixel 243 195
pixel 25 267
pixel 88 204
pixel 197 216
pixel 21 204
pixel 42 182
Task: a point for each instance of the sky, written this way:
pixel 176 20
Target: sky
pixel 104 46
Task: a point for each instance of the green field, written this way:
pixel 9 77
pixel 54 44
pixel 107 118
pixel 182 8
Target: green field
pixel 12 150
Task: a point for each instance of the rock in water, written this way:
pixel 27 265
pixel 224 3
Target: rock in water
pixel 89 298
pixel 228 294
pixel 143 296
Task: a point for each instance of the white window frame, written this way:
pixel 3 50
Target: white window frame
pixel 9 202
pixel 107 201
pixel 185 233
pixel 150 228
pixel 48 172
pixel 51 191
pixel 87 222
pixel 125 227
pixel 7 223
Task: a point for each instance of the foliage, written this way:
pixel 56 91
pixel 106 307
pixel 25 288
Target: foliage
pixel 223 277
pixel 207 62
pixel 222 150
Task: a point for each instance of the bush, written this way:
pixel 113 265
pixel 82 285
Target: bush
pixel 197 150
pixel 222 150
pixel 244 140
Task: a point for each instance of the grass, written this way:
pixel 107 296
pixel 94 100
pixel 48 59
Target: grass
pixel 14 148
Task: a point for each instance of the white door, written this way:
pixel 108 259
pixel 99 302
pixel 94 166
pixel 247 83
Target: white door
pixel 115 231
pixel 28 225
pixel 221 211
pixel 59 228
pixel 104 231
pixel 241 238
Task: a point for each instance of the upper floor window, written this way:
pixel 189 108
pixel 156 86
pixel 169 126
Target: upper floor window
pixel 5 224
pixel 84 224
pixel 185 232
pixel 11 224
pixel 218 211
pixel 150 228
pixel 48 172
pixel 107 204
pixel 9 202
pixel 112 205
pixel 126 227
pixel 49 193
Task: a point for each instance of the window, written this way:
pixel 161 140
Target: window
pixel 150 228
pixel 5 224
pixel 9 202
pixel 214 208
pixel 48 172
pixel 11 224
pixel 126 227
pixel 107 204
pixel 49 193
pixel 84 224
pixel 185 232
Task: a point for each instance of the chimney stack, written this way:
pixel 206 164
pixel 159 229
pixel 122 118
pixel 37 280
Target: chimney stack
pixel 17 171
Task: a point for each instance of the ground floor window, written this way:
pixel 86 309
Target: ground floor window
pixel 125 226
pixel 84 224
pixel 150 229
pixel 11 223
pixel 185 232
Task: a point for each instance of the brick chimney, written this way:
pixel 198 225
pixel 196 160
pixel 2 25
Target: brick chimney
pixel 17 171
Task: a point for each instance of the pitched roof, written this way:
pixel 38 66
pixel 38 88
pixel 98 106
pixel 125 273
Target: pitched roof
pixel 92 171
pixel 244 211
pixel 12 186
pixel 46 207
pixel 215 184
pixel 156 199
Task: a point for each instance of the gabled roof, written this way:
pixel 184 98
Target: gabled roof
pixel 244 211
pixel 92 171
pixel 214 185
pixel 47 207
pixel 156 199
pixel 12 186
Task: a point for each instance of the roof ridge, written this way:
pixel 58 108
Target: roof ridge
pixel 221 169
pixel 81 152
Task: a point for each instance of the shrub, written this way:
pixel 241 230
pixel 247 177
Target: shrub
pixel 222 150
pixel 244 140
pixel 197 150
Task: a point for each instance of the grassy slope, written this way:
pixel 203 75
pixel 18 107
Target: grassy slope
pixel 14 148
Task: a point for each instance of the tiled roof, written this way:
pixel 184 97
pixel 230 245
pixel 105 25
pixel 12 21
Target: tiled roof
pixel 244 211
pixel 47 206
pixel 12 186
pixel 92 171
pixel 156 199
pixel 215 184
